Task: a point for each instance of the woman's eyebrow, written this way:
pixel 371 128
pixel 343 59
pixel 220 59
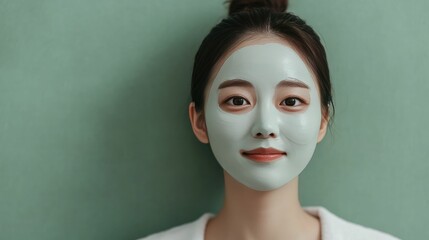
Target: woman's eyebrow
pixel 235 83
pixel 293 83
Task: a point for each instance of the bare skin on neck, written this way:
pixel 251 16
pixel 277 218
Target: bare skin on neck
pixel 254 215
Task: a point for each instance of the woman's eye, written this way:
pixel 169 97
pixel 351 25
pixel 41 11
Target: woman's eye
pixel 291 102
pixel 237 101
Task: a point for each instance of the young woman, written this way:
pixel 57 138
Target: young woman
pixel 261 97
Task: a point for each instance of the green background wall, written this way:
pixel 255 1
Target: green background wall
pixel 94 137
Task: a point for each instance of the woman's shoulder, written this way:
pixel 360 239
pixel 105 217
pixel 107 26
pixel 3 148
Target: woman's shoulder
pixel 332 228
pixel 189 231
pixel 336 228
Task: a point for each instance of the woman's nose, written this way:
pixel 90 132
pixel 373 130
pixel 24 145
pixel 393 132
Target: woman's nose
pixel 265 125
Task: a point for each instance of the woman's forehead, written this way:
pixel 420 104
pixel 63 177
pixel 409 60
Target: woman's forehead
pixel 266 63
pixel 249 42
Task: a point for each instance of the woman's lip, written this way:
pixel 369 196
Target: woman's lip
pixel 263 154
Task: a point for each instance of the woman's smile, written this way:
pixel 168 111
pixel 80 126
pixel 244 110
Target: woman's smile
pixel 263 155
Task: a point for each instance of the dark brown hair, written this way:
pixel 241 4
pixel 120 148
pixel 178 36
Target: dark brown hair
pixel 253 17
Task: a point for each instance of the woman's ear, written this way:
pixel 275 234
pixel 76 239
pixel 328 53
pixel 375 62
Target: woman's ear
pixel 198 123
pixel 323 126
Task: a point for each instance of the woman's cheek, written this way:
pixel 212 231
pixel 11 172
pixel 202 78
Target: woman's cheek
pixel 300 128
pixel 228 126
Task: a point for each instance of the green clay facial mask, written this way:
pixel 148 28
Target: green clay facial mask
pixel 263 115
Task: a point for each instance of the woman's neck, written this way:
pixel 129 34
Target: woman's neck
pixel 249 214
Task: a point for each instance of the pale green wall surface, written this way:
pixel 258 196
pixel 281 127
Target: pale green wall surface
pixel 94 136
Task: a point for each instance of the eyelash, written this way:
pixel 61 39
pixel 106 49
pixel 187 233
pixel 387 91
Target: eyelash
pixel 230 101
pixel 298 103
pixel 294 98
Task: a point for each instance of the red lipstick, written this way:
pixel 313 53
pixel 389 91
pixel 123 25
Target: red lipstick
pixel 263 155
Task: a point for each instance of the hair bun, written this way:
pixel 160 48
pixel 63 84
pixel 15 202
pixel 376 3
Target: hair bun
pixel 236 6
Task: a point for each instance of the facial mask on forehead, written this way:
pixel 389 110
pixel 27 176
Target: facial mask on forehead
pixel 266 147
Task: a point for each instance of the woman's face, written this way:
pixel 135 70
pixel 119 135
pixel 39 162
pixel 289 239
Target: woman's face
pixel 263 115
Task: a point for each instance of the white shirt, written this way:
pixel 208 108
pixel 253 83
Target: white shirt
pixel 332 228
